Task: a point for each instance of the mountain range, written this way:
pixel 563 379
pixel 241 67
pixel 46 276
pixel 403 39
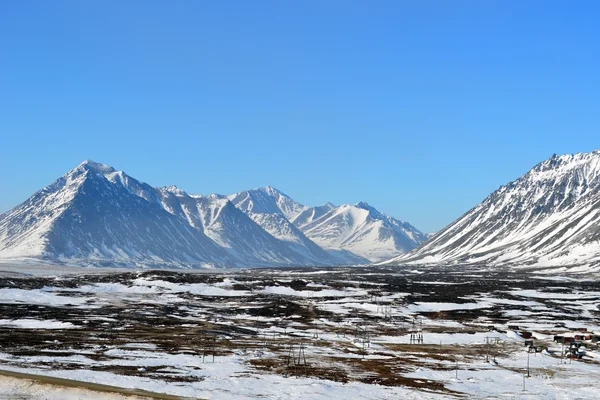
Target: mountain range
pixel 96 215
pixel 549 216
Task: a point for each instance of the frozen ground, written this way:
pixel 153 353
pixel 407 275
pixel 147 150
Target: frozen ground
pixel 304 333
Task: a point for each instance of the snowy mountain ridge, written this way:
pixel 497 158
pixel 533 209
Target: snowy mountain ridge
pixel 267 200
pixel 362 230
pixel 359 229
pixel 96 215
pixel 549 216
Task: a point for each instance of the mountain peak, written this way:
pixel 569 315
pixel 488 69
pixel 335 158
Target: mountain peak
pixel 363 205
pixel 267 200
pixel 174 190
pixel 95 166
pixel 373 212
pixel 272 191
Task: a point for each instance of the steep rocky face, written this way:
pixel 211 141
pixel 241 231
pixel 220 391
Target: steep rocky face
pixel 551 215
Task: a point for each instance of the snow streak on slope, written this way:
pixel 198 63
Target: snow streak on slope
pixel 311 214
pixel 278 226
pixel 550 216
pixel 249 241
pixel 364 231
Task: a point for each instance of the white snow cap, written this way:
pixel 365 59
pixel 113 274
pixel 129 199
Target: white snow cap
pixel 98 167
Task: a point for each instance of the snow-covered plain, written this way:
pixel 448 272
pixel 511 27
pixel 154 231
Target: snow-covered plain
pixel 159 331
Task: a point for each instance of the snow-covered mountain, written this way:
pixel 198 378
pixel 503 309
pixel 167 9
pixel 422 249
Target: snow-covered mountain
pixel 96 215
pixel 273 210
pixel 239 234
pixel 356 234
pixel 549 216
pixel 360 229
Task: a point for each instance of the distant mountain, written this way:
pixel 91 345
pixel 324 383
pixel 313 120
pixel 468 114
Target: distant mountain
pixel 272 210
pixel 96 215
pixel 549 216
pixel 360 229
pixel 246 241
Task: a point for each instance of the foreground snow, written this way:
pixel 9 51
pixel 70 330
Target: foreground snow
pixel 145 330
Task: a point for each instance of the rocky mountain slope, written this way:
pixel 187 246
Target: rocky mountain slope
pixel 96 215
pixel 549 216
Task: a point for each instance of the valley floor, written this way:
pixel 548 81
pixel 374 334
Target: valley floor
pixel 313 333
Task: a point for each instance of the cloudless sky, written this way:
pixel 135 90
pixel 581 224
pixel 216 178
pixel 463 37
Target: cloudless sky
pixel 421 108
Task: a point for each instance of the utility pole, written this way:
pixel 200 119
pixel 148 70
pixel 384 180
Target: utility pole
pixel 416 334
pixel 488 344
pixel 456 367
pixel 111 327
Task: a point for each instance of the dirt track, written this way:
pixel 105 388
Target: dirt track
pixel 131 394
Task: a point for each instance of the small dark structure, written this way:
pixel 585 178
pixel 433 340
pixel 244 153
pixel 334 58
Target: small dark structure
pixel 536 349
pixel 558 338
pixel 525 334
pixel 513 327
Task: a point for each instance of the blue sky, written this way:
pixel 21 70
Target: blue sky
pixel 421 108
